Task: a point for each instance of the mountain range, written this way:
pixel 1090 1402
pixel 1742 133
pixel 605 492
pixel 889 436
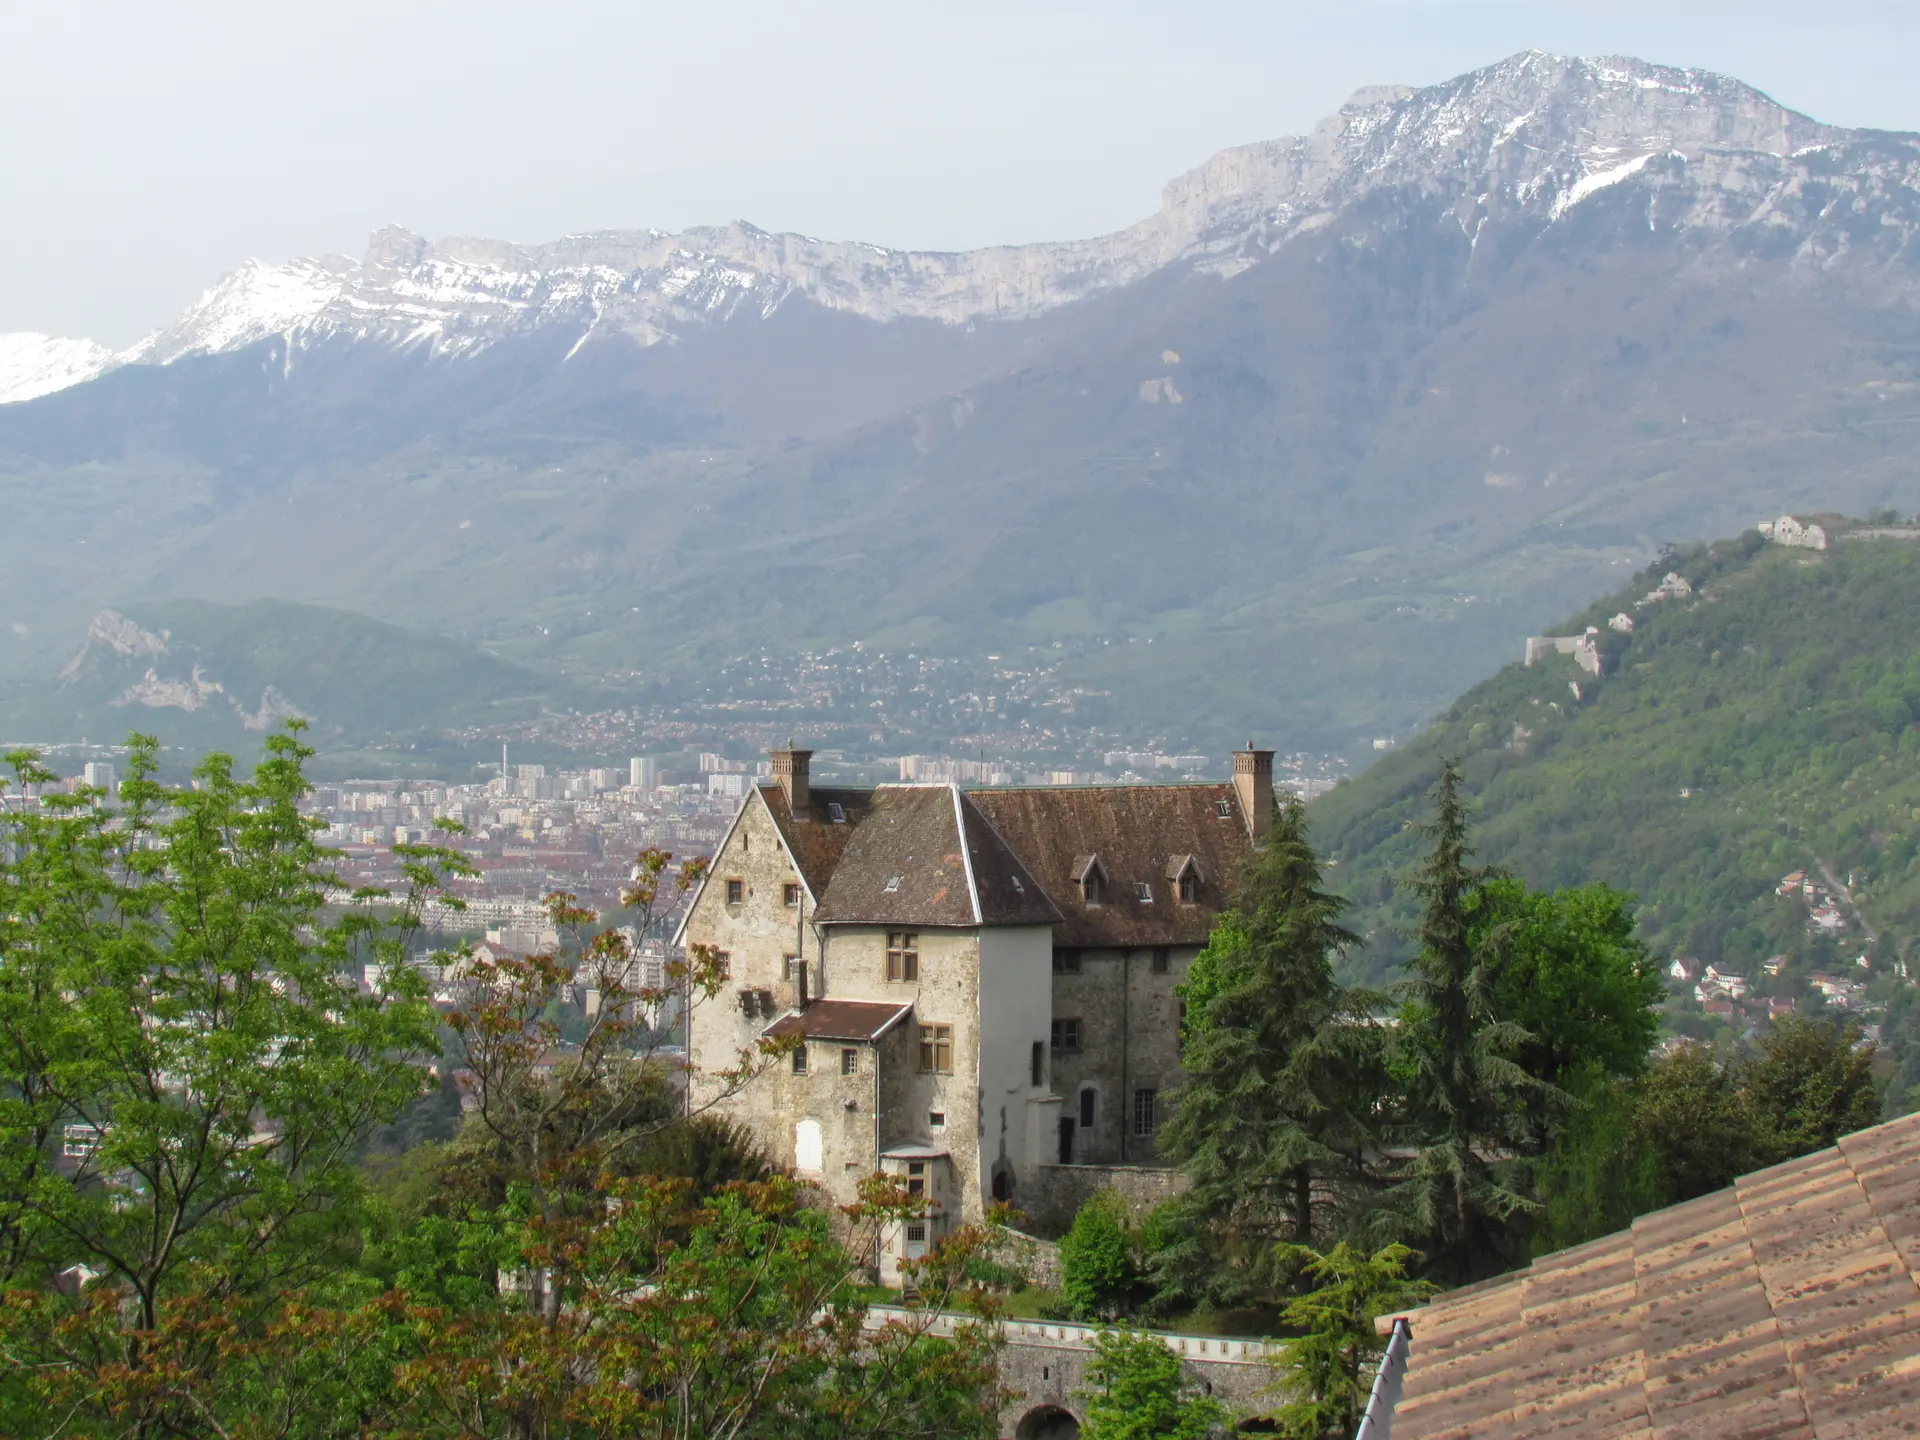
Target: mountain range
pixel 1345 416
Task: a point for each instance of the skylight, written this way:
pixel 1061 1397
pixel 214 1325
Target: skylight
pixel 893 884
pixel 836 812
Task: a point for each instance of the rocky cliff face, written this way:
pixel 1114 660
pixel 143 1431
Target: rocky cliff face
pixel 1524 142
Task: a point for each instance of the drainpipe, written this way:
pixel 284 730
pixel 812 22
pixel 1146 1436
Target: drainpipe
pixel 1126 1041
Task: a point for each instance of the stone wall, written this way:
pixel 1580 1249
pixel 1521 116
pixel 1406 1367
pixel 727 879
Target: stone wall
pixel 1129 1033
pixel 1044 1365
pixel 1051 1196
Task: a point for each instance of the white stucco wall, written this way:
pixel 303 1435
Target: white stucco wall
pixel 1016 1007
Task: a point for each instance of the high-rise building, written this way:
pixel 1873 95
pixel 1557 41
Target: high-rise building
pixel 101 775
pixel 643 773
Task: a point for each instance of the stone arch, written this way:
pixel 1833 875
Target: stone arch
pixel 1004 1180
pixel 1047 1422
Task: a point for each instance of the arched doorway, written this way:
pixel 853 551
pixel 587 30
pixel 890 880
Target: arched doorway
pixel 1047 1422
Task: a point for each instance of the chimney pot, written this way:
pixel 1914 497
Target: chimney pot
pixel 790 768
pixel 1253 780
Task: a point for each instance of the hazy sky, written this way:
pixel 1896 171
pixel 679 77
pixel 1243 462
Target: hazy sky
pixel 152 145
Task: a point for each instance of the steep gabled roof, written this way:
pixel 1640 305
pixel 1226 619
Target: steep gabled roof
pixel 815 839
pixel 1785 1307
pixel 1133 830
pixel 922 855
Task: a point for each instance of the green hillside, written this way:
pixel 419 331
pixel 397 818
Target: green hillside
pixel 198 674
pixel 1762 725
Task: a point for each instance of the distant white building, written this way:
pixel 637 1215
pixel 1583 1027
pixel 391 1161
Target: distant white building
pixel 643 773
pixel 1789 531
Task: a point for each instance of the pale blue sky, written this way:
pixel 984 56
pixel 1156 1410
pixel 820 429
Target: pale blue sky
pixel 152 145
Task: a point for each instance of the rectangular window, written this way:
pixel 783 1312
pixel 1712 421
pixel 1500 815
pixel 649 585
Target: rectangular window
pixel 1161 960
pixel 736 891
pixel 1066 962
pixel 936 1119
pixel 903 956
pixel 1038 1065
pixel 1144 1102
pixel 1066 1035
pixel 790 895
pixel 800 1060
pixel 1189 887
pixel 936 1049
pixel 916 1232
pixel 723 964
pixel 1086 1109
pixel 849 1061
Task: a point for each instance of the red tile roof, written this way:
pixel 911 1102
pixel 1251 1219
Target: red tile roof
pixel 1786 1306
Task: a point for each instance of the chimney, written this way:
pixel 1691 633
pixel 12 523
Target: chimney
pixel 1253 779
pixel 790 769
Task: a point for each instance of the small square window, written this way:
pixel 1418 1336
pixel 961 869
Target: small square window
pixel 1066 1035
pixel 800 1061
pixel 849 1061
pixel 916 1232
pixel 1143 892
pixel 936 1119
pixel 790 895
pixel 916 1167
pixel 1066 962
pixel 736 891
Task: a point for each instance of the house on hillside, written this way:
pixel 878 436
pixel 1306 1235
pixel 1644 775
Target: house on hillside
pixel 977 986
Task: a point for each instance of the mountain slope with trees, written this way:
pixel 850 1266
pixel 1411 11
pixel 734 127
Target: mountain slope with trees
pixel 1761 725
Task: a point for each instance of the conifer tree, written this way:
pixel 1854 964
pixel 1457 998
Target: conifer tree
pixel 1273 1124
pixel 1464 1122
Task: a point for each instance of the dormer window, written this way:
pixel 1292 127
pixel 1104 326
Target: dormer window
pixel 1183 874
pixel 1091 878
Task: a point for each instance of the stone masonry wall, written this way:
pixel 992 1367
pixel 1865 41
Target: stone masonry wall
pixel 1052 1196
pixel 1129 1041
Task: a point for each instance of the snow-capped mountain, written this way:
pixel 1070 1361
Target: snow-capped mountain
pixel 1527 141
pixel 32 364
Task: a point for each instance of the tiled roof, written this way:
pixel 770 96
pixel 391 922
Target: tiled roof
pixel 840 1020
pixel 816 839
pixel 1137 832
pixel 908 863
pixel 1785 1307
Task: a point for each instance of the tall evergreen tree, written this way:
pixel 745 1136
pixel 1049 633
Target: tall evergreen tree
pixel 1273 1124
pixel 1465 1124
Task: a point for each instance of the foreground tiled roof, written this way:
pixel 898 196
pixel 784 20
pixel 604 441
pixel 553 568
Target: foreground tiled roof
pixel 1137 833
pixel 840 1020
pixel 1785 1307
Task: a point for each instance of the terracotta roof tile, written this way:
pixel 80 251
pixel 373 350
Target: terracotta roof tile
pixel 1785 1306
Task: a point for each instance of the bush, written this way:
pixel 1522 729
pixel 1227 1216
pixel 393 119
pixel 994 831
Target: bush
pixel 1097 1272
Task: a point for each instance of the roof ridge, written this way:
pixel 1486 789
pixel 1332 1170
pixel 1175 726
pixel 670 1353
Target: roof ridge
pixel 966 851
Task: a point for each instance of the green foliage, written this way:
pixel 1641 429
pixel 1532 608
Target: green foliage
pixel 1097 1271
pixel 1326 1370
pixel 1762 725
pixel 1568 969
pixel 1809 1085
pixel 1275 1119
pixel 1599 1173
pixel 1136 1393
pixel 1465 1111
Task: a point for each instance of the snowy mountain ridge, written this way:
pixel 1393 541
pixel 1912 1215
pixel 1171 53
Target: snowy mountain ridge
pixel 1527 141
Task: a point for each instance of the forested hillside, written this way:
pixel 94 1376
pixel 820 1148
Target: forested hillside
pixel 1761 725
